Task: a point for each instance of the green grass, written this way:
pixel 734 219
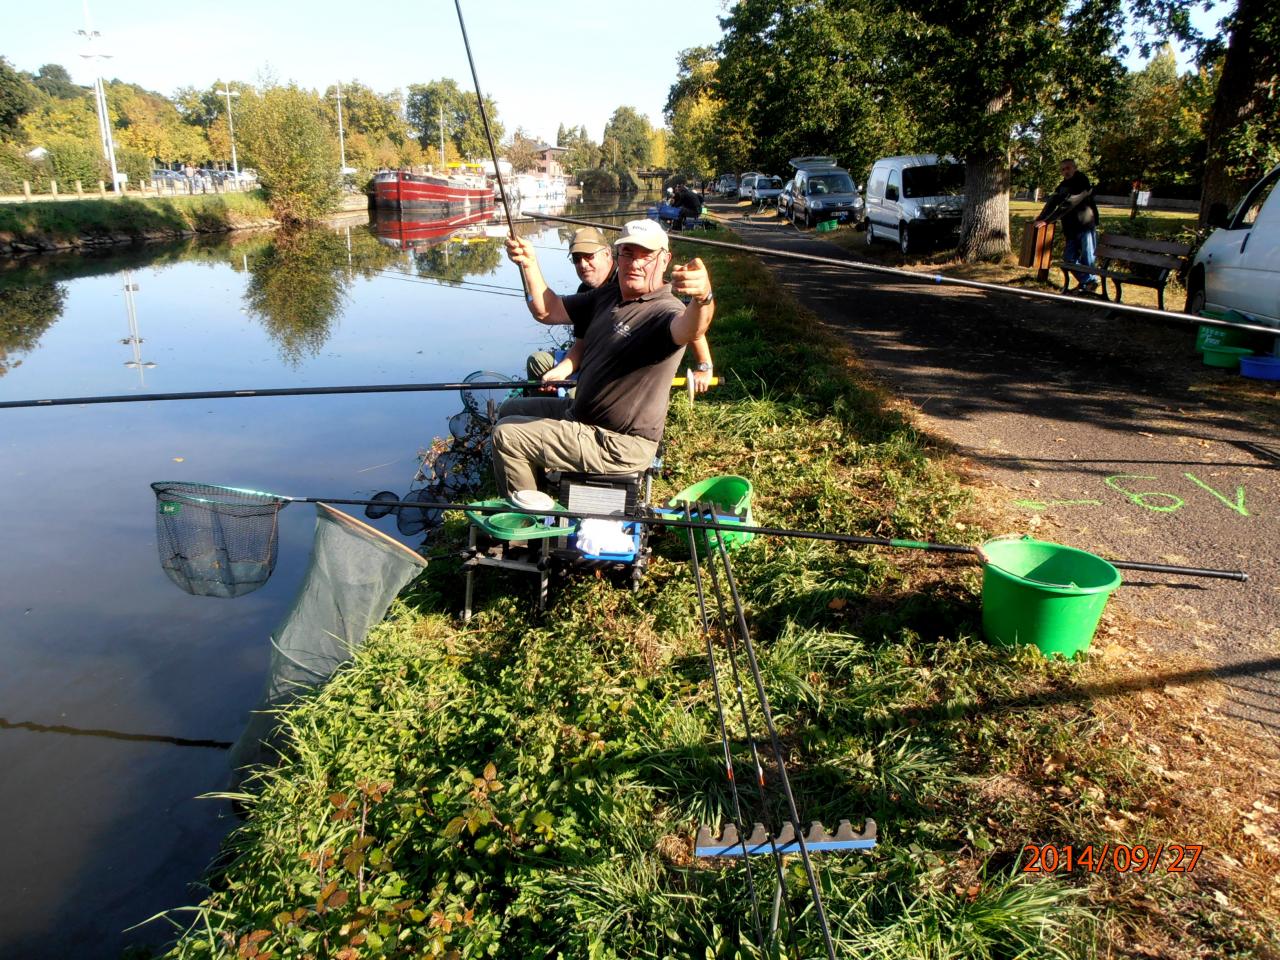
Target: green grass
pixel 529 788
pixel 60 220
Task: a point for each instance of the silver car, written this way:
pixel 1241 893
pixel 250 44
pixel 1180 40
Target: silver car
pixel 823 191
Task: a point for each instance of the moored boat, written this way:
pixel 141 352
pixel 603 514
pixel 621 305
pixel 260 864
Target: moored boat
pixel 422 233
pixel 442 193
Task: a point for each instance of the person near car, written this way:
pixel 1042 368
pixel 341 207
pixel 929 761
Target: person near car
pixel 1072 203
pixel 593 261
pixel 689 204
pixel 636 331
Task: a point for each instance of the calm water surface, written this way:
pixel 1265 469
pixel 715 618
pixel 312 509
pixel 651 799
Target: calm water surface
pixel 107 668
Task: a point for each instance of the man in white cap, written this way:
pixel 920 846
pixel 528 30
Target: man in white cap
pixel 635 334
pixel 593 262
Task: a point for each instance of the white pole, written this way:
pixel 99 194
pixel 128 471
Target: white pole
pixel 342 145
pixel 100 96
pixel 231 130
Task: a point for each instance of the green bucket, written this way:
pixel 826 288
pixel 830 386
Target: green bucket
pixel 1043 594
pixel 1209 337
pixel 1228 358
pixel 731 497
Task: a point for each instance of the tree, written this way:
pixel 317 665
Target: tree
pixel 463 126
pixel 975 78
pixel 369 118
pixel 297 286
pixel 628 131
pixel 27 310
pixel 54 81
pixel 17 98
pixel 284 133
pixel 522 152
pixel 583 152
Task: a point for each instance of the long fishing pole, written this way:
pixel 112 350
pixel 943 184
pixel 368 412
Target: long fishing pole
pixel 672 521
pixel 778 756
pixel 937 278
pixel 306 392
pixel 724 734
pixel 484 118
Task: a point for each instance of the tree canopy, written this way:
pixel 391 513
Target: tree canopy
pixel 426 103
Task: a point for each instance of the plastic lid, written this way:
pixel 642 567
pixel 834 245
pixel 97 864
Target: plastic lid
pixel 532 500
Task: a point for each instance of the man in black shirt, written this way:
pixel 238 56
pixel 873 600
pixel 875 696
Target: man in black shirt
pixel 1073 204
pixel 635 331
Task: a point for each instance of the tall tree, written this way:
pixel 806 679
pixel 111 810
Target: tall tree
pixel 463 125
pixel 285 134
pixel 583 152
pixel 628 130
pixel 17 97
pixel 522 152
pixel 54 81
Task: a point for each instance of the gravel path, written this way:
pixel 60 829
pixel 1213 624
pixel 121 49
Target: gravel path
pixel 1098 429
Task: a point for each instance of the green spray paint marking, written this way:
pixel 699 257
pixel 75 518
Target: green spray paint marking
pixel 1046 504
pixel 1238 506
pixel 1141 498
pixel 170 508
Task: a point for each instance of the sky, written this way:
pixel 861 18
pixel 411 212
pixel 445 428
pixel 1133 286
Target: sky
pixel 545 62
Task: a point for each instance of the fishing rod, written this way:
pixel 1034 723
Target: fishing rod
pixel 308 392
pixel 937 278
pixel 779 757
pixel 664 519
pixel 484 118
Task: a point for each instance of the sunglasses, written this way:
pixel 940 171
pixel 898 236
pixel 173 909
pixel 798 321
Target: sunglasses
pixel 580 257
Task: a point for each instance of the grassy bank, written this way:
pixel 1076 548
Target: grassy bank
pixel 54 221
pixel 529 788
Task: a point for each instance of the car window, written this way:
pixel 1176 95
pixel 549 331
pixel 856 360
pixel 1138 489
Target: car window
pixel 945 179
pixel 875 186
pixel 835 182
pixel 1247 213
pixel 775 183
pixel 894 183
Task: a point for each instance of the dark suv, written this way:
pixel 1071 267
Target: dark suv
pixel 823 191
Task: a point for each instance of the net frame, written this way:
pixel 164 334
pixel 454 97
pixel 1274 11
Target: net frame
pixel 477 401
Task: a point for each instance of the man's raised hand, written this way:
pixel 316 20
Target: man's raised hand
pixel 691 279
pixel 520 251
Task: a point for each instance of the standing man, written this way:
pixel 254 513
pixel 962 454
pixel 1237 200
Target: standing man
pixel 636 332
pixel 593 261
pixel 1072 203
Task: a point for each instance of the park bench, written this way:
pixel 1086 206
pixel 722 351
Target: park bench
pixel 1132 260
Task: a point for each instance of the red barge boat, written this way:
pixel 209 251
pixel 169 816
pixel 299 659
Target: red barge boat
pixel 440 193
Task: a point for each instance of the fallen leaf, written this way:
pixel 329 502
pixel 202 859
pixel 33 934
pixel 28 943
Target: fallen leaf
pixel 837 603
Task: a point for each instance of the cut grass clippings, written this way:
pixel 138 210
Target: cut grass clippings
pixel 528 787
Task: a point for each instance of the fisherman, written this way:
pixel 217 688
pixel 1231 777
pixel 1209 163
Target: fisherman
pixel 593 260
pixel 635 334
pixel 689 203
pixel 1072 203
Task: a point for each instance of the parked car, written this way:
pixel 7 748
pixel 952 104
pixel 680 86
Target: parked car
pixel 1238 266
pixel 727 185
pixel 822 190
pixel 746 182
pixel 764 189
pixel 784 199
pixel 915 200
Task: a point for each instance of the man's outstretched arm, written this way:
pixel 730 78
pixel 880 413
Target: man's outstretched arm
pixel 545 305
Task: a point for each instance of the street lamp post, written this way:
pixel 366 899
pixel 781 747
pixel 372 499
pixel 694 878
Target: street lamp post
pixel 231 129
pixel 342 143
pixel 100 95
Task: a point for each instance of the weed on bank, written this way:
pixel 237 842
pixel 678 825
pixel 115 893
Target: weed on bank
pixel 528 787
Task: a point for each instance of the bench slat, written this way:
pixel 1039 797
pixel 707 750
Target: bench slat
pixel 1120 241
pixel 1146 259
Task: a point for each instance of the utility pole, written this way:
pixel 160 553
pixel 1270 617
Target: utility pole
pixel 342 143
pixel 443 168
pixel 231 129
pixel 100 95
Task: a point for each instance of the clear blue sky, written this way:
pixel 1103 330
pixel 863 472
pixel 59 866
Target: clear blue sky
pixel 546 62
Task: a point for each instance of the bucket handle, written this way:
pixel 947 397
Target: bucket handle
pixel 986 561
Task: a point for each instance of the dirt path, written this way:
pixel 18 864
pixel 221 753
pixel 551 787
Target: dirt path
pixel 1106 433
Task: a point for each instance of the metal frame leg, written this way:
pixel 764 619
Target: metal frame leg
pixel 469 592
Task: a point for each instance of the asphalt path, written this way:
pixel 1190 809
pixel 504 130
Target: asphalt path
pixel 1096 430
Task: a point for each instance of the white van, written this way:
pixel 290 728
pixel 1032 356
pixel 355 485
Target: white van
pixel 1238 267
pixel 915 200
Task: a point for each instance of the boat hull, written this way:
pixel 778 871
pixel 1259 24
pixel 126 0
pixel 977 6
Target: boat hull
pixel 424 192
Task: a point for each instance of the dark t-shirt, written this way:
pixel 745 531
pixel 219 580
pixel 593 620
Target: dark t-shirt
pixel 1073 204
pixel 580 328
pixel 628 360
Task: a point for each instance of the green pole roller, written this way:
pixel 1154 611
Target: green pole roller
pixel 1043 594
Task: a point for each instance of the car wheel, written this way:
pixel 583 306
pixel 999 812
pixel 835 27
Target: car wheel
pixel 904 239
pixel 1196 301
pixel 871 234
pixel 808 218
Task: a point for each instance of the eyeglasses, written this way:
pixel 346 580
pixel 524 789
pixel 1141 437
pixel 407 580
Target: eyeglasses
pixel 580 257
pixel 628 252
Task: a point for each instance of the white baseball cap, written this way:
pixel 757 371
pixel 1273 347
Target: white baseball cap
pixel 643 233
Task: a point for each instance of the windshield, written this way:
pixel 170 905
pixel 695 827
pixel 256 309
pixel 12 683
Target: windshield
pixel 831 183
pixel 776 183
pixel 933 181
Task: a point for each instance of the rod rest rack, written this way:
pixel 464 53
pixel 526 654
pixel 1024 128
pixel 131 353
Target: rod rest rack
pixel 730 843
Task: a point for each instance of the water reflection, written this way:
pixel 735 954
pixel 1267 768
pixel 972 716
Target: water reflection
pixel 26 312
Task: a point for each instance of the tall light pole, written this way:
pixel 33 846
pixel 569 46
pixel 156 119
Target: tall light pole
pixel 231 129
pixel 100 95
pixel 342 143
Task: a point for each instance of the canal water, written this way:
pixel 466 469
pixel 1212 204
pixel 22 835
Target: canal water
pixel 118 692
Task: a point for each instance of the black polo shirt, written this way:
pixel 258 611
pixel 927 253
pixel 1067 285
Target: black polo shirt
pixel 628 360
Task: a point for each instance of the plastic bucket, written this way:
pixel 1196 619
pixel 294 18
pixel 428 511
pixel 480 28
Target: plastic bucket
pixel 1209 337
pixel 1226 357
pixel 1043 594
pixel 731 497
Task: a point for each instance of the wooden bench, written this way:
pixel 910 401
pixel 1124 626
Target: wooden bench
pixel 1146 263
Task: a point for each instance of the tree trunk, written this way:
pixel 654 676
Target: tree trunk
pixel 984 227
pixel 1248 82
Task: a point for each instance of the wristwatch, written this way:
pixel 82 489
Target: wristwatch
pixel 711 295
pixel 703 367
